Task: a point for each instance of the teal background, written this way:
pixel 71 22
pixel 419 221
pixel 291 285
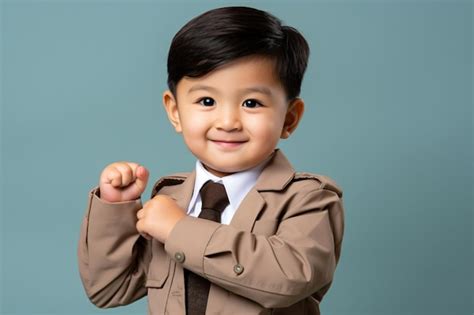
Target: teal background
pixel 389 117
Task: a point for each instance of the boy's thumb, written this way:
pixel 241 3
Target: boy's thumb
pixel 142 176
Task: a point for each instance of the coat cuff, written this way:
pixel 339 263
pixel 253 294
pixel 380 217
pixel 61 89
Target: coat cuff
pixel 118 216
pixel 188 241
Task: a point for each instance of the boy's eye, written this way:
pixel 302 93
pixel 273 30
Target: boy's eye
pixel 206 101
pixel 251 103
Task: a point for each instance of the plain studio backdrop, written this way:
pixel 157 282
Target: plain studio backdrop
pixel 389 116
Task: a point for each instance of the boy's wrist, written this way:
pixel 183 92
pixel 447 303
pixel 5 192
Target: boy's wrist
pixel 173 221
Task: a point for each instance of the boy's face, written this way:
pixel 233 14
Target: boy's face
pixel 232 118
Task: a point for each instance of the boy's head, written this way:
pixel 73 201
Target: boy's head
pixel 234 76
pixel 222 35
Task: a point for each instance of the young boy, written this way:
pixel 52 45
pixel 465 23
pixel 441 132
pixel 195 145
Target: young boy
pixel 270 242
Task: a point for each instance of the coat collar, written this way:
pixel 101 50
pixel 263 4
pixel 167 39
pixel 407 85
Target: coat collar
pixel 274 177
pixel 277 174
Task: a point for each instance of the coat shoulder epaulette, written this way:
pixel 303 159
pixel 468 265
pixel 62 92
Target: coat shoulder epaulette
pixel 325 182
pixel 170 180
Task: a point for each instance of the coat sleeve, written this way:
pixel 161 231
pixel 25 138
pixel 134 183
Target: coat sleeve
pixel 274 271
pixel 112 256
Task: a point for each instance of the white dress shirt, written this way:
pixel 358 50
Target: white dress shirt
pixel 237 186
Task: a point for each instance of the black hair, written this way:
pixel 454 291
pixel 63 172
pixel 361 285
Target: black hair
pixel 222 35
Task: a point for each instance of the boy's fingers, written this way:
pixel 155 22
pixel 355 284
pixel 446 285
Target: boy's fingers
pixel 139 226
pixel 127 173
pixel 123 181
pixel 140 230
pixel 114 177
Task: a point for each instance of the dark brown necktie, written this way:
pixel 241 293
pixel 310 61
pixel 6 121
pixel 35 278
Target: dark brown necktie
pixel 214 200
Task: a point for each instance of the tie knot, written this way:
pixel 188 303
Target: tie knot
pixel 214 197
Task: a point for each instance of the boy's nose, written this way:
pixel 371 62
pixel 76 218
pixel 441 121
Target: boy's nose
pixel 229 119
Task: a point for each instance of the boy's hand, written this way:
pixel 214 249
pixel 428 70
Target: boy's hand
pixel 123 181
pixel 158 217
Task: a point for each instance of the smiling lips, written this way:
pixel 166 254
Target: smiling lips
pixel 229 144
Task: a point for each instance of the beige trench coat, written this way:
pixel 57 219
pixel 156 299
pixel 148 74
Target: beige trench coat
pixel 277 256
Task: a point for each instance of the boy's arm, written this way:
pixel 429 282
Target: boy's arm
pixel 113 258
pixel 274 271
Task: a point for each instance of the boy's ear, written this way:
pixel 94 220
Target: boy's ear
pixel 171 107
pixel 293 116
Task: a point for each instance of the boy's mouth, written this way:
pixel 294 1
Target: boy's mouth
pixel 228 143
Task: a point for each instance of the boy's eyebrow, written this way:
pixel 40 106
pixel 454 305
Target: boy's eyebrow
pixel 198 87
pixel 257 89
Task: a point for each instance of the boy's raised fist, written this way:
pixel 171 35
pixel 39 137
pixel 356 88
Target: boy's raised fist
pixel 123 181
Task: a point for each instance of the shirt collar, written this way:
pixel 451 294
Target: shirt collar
pixel 237 185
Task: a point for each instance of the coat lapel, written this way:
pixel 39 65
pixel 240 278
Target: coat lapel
pixel 248 211
pixel 275 176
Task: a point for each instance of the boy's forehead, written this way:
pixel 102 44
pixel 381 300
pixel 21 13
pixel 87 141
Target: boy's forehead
pixel 252 73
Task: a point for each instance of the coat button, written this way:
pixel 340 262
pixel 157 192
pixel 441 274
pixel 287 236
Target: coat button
pixel 238 269
pixel 179 256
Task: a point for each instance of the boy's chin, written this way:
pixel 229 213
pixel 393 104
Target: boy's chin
pixel 224 170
